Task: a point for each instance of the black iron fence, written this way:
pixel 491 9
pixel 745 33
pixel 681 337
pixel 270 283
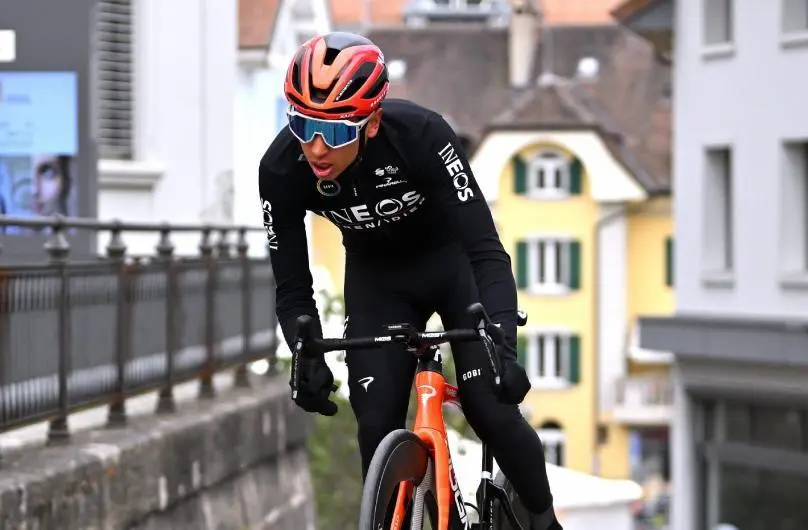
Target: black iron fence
pixel 79 333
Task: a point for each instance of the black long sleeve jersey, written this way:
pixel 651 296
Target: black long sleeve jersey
pixel 413 191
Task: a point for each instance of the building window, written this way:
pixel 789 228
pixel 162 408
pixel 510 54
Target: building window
pixel 794 208
pixel 669 261
pixel 551 359
pixel 752 455
pixel 548 265
pixel 759 498
pixel 115 79
pixel 548 175
pixel 553 440
pixel 718 211
pixel 795 16
pixel 718 22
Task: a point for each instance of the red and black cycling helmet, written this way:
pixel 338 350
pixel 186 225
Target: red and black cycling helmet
pixel 337 76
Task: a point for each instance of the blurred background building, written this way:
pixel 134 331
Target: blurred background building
pixel 165 111
pixel 740 444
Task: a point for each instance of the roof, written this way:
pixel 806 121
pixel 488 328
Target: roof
pixel 443 63
pixel 628 104
pixel 256 21
pixel 351 14
pixel 578 11
pixel 257 17
pixel 461 71
pixel 626 9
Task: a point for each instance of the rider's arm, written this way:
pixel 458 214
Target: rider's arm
pixel 284 214
pixel 450 179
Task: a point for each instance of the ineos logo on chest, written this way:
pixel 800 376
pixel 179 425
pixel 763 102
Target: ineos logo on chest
pixel 385 211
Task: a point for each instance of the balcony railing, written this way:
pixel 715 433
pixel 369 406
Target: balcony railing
pixel 644 399
pixel 94 331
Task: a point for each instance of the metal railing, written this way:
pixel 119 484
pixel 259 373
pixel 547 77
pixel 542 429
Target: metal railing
pixel 87 332
pixel 644 391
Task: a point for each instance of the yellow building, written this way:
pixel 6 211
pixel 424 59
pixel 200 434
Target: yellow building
pixel 588 226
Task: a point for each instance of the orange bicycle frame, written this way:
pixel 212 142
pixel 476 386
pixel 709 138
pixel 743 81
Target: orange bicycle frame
pixel 432 391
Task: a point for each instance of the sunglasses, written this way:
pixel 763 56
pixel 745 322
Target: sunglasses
pixel 335 133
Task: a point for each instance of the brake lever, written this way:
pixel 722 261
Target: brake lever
pixel 491 334
pixel 304 323
pixel 484 323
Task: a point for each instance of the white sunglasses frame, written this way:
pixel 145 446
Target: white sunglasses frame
pixel 291 111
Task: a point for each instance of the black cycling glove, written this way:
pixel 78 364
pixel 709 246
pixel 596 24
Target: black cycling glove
pixel 315 384
pixel 515 383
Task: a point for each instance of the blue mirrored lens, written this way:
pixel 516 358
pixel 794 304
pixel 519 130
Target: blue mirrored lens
pixel 334 134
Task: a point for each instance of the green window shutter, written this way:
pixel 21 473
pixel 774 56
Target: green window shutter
pixel 521 349
pixel 519 175
pixel 575 265
pixel 669 261
pixel 576 176
pixel 521 265
pixel 575 359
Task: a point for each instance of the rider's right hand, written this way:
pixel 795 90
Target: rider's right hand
pixel 315 385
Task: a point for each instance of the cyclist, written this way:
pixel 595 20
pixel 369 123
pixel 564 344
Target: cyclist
pixel 419 239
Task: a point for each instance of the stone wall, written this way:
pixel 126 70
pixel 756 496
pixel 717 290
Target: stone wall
pixel 236 461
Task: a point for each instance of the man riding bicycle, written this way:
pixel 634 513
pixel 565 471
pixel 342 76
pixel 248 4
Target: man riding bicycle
pixel 419 239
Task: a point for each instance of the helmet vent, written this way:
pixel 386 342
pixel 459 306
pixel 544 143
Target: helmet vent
pixel 376 88
pixel 358 80
pixel 296 81
pixel 330 56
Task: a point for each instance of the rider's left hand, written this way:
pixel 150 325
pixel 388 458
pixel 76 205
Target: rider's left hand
pixel 515 383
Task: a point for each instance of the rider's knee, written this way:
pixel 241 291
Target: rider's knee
pixel 488 417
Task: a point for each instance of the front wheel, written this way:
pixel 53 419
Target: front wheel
pixel 501 521
pixel 400 457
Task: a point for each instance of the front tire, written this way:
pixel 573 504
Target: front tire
pixel 501 521
pixel 400 457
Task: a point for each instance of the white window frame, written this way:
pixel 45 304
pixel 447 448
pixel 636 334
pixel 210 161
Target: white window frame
pixel 718 27
pixel 548 161
pixel 559 284
pixel 115 79
pixel 794 18
pixel 553 439
pixel 794 215
pixel 719 214
pixel 551 377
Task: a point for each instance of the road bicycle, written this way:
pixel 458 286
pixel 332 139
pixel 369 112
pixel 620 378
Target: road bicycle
pixel 411 476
